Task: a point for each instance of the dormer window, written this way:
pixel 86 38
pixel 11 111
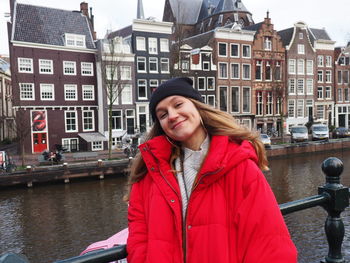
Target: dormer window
pixel 221 17
pixel 74 40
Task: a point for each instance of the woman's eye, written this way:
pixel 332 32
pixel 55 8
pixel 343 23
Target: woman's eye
pixel 178 104
pixel 162 116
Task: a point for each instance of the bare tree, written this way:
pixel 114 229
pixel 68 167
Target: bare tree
pixel 111 56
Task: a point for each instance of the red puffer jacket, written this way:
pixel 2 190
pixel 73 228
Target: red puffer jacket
pixel 232 215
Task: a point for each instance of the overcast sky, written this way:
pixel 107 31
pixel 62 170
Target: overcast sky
pixel 114 14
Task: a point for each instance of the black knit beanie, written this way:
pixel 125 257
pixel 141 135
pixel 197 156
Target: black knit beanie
pixel 177 86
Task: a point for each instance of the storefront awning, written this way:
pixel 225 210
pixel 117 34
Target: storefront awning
pixel 92 137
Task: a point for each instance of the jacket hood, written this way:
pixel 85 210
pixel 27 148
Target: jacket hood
pixel 223 155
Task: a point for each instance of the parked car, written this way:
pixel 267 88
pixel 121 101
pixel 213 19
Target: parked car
pixel 319 132
pixel 340 132
pixel 298 134
pixel 265 140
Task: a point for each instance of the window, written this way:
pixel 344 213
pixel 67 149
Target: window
pixel 117 120
pixel 211 83
pixel 269 103
pixel 246 99
pixel 164 65
pixel 259 103
pixel 69 68
pixel 291 86
pixel 234 71
pixel 291 66
pixel 267 43
pixel 141 64
pixel 301 66
pixel 45 66
pixel 235 99
pixel 70 92
pixel 223 70
pixel 278 105
pixel 319 92
pixel 73 40
pixel 88 92
pixel 164 45
pixel 309 67
pixel 27 91
pixel 111 72
pixel 47 92
pixel 87 69
pixel 153 84
pixel 25 65
pixel 346 94
pixel 201 83
pixel 345 77
pixel 300 87
pixel 339 76
pixel 278 71
pixel 320 61
pixel 301 35
pixel 152 45
pixel 340 95
pixel 246 71
pixel 185 65
pixel 309 86
pixel 126 94
pixel 328 61
pixel 97 146
pixel 301 49
pixel 88 120
pixel 142 89
pixel 125 73
pixel 206 65
pixel 70 119
pixel 328 93
pixel 211 100
pixel 300 108
pixel 153 65
pixel 291 108
pixel 320 76
pixel 223 98
pixel 140 43
pixel 246 51
pixel 258 70
pixel 328 76
pixel 268 71
pixel 222 49
pixel 235 50
pixel 320 112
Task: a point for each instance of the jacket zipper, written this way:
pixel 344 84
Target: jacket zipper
pixel 188 204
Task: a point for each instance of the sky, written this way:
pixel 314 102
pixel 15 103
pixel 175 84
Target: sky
pixel 115 14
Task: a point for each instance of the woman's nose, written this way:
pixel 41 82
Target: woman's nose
pixel 172 114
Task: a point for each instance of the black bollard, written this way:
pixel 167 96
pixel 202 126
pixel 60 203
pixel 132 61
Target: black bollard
pixel 338 201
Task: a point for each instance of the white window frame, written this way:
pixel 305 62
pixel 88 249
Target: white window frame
pixel 125 72
pixel 114 119
pixel 267 43
pixel 238 99
pixel 25 65
pixel 69 91
pixel 97 146
pixel 300 108
pixel 301 66
pixel 138 89
pixel 155 62
pixel 250 51
pixel 320 94
pixel 75 40
pixel 140 43
pixel 153 45
pixel 141 60
pixel 221 76
pixel 291 66
pixel 204 83
pixel 47 89
pixel 219 44
pixel 329 61
pixel 301 49
pixel 320 76
pixel 45 66
pixel 328 93
pixel 164 61
pixel 231 71
pixel 291 108
pixel 292 84
pixel 250 71
pixel 27 92
pixel 213 88
pixel 164 45
pixel 75 118
pixel 309 67
pixel 309 86
pixel 71 66
pixel 300 86
pixel 84 118
pixel 208 100
pixel 320 61
pixel 88 92
pixel 126 95
pixel 238 49
pixel 249 99
pixel 328 76
pixel 87 69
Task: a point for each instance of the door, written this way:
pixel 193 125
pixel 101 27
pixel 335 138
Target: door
pixel 74 145
pixel 39 142
pixel 342 120
pixel 142 118
pixel 130 125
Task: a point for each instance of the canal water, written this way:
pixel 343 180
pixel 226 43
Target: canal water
pixel 53 222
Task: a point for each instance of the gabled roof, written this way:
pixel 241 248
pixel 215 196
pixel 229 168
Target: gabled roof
pixel 230 6
pixel 286 35
pixel 318 34
pixel 186 11
pixel 44 25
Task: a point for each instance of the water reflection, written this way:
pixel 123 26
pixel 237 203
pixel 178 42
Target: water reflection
pixel 53 222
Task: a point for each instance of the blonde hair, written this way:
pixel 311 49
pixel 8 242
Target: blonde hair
pixel 216 122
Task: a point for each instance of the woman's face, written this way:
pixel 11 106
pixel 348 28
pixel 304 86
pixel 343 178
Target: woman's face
pixel 180 120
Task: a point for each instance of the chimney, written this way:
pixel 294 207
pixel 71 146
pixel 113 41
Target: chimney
pixel 12 6
pixel 84 9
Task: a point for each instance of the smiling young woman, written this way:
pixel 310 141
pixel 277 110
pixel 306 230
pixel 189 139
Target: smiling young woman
pixel 197 193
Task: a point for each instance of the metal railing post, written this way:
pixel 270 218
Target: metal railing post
pixel 339 200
